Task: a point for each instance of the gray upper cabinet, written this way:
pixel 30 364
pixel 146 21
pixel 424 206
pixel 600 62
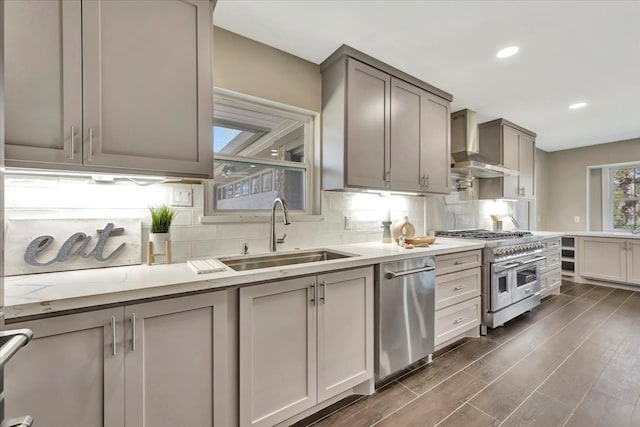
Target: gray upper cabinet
pixel 132 79
pixel 514 147
pixel 381 128
pixel 43 82
pixel 367 129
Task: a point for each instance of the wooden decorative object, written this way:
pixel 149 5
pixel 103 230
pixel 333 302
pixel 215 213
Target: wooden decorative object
pixel 167 253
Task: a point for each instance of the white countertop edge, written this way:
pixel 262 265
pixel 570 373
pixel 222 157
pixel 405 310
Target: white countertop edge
pixel 612 234
pixel 38 294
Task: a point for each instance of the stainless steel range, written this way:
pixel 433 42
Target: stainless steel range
pixel 510 273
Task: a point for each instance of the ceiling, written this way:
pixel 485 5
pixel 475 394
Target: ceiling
pixel 570 51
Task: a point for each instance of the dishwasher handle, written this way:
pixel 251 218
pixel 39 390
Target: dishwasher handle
pixel 395 274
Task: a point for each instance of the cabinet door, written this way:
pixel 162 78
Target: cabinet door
pixel 68 375
pixel 147 85
pixel 633 261
pixel 603 258
pixel 42 82
pixel 368 125
pixel 345 331
pixel 435 146
pixel 526 159
pixel 277 351
pixel 511 160
pixel 176 362
pixel 406 138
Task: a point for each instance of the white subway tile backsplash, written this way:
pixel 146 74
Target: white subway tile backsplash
pixel 68 197
pixel 194 232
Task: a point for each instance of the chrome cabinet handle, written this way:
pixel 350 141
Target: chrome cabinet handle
pixel 395 274
pixel 458 288
pixel 426 180
pixel 72 150
pixel 458 320
pixel 133 332
pixel 323 288
pixel 313 294
pixel 459 262
pixel 113 335
pixel 90 155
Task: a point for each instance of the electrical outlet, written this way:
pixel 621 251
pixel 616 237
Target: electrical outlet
pixel 576 219
pixel 347 223
pixel 181 197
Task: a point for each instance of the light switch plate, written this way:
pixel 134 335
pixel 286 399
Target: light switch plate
pixel 347 223
pixel 181 197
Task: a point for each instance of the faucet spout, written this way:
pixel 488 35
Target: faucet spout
pixel 273 241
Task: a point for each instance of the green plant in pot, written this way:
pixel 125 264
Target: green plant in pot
pixel 161 218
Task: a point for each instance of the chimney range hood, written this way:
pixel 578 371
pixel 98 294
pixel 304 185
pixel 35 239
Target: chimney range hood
pixel 467 162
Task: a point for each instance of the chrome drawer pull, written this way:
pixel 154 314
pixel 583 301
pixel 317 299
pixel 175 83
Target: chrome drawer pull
pixel 458 320
pixel 458 288
pixel 313 294
pixel 459 262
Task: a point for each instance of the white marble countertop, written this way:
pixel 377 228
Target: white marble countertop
pixel 44 293
pixel 616 234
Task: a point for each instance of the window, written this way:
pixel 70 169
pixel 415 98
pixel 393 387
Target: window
pixel 623 209
pixel 262 150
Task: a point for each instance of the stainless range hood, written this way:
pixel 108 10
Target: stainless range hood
pixel 467 162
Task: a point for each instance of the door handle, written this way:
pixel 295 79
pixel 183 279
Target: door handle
pixel 323 288
pixel 90 154
pixel 133 332
pixel 395 274
pixel 72 153
pixel 113 335
pixel 540 258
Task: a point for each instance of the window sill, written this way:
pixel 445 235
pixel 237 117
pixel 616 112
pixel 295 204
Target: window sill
pixel 256 218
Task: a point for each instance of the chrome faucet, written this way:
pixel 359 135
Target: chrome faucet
pixel 273 241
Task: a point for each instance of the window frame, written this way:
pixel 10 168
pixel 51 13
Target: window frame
pixel 608 196
pixel 311 165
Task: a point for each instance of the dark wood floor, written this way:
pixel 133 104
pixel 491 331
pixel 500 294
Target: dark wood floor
pixel 572 361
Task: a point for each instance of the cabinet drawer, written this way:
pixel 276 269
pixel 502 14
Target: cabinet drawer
pixel 552 243
pixel 553 261
pixel 457 287
pixel 554 279
pixel 455 262
pixel 455 320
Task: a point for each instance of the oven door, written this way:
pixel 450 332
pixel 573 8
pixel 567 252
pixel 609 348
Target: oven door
pixel 527 279
pixel 502 288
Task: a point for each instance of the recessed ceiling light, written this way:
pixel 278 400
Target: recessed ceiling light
pixel 507 52
pixel 577 105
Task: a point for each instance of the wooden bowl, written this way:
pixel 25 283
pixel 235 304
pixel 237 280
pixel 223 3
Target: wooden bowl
pixel 421 241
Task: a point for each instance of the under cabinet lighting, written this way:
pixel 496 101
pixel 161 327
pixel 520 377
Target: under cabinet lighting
pixel 507 52
pixel 577 105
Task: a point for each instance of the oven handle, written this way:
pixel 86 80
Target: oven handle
pixel 393 274
pixel 540 258
pixel 508 266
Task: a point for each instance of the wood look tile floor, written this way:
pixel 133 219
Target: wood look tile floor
pixel 572 361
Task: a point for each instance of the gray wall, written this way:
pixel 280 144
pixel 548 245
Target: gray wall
pixel 247 66
pixel 567 181
pixel 540 208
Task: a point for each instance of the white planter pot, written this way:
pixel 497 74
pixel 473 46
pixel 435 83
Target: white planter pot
pixel 158 240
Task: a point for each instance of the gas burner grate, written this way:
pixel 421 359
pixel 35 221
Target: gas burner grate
pixel 483 234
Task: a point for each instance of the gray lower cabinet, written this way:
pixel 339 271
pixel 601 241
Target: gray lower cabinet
pixel 92 370
pixel 303 341
pixel 109 85
pixel 381 131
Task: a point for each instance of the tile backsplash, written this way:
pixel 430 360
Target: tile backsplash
pixel 38 196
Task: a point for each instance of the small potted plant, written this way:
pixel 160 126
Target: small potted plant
pixel 161 218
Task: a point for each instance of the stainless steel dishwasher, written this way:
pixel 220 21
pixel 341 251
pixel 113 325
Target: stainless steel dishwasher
pixel 404 313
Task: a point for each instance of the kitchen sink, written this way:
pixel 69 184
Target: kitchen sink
pixel 276 260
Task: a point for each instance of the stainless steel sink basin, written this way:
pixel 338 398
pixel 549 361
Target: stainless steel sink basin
pixel 276 260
